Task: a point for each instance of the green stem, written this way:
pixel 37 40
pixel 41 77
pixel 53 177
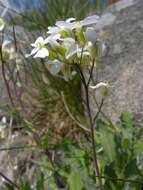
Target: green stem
pixel 92 138
pixel 91 123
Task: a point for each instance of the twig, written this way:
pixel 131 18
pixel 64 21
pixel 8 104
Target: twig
pixel 99 111
pixel 91 72
pixel 17 147
pixel 81 74
pixel 70 114
pixel 9 181
pixel 3 71
pixel 14 37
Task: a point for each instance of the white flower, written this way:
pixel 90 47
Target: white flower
pixel 69 20
pixel 39 48
pixel 42 53
pixel 54 66
pixel 53 30
pixel 71 51
pixel 3 120
pixel 2 24
pixel 71 23
pixel 66 42
pixel 99 85
pixel 90 20
pixel 63 24
pixel 71 47
pixel 67 25
pixel 52 40
pixel 9 49
pixel 91 35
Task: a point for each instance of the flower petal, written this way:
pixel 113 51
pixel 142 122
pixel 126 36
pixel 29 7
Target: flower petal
pixel 90 20
pixel 42 53
pixel 64 24
pixel 34 51
pixel 53 30
pixel 52 40
pixel 39 40
pixel 91 35
pixel 54 66
pixel 72 50
pixel 56 36
pixel 69 20
pixel 99 85
pixel 67 42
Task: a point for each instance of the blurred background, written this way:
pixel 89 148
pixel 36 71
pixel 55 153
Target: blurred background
pixel 38 14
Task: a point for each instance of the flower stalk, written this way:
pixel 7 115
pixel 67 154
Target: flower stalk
pixel 91 122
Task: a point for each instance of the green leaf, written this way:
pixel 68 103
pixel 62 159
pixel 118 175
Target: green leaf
pixel 131 169
pixel 75 182
pixel 45 141
pixel 80 36
pixel 108 143
pixel 111 183
pixel 40 182
pixel 109 170
pixel 126 120
pixel 25 185
pixel 126 143
pixel 138 147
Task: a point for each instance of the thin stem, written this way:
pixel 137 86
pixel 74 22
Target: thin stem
pixel 14 37
pixel 120 179
pixel 99 110
pixel 70 114
pixel 92 135
pixel 91 72
pixel 86 90
pixel 4 76
pixel 9 181
pixel 81 74
pixel 17 147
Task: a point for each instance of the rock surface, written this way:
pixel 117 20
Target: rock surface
pixel 121 28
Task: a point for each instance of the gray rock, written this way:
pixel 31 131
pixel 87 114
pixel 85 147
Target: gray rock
pixel 122 65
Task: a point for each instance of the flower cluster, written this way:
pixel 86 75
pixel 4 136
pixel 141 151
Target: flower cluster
pixel 67 43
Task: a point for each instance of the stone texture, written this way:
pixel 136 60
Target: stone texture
pixel 122 64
